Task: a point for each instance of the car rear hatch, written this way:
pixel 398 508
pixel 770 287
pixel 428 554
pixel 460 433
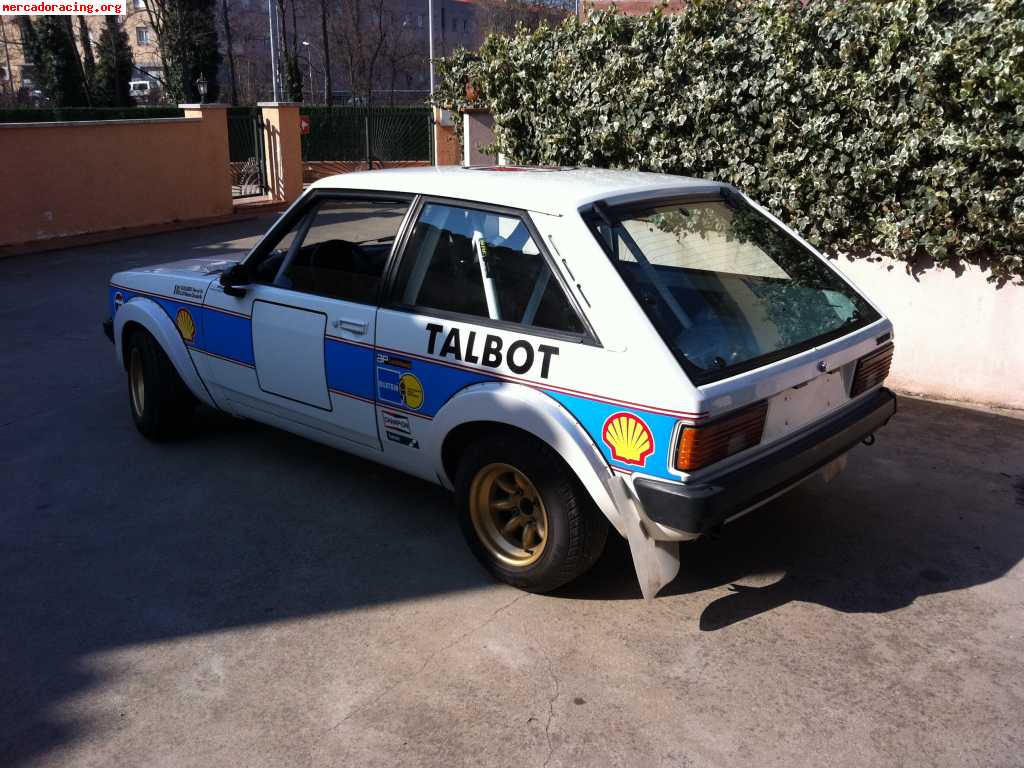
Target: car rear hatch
pixel 773 337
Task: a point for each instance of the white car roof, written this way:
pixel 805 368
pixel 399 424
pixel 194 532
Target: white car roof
pixel 555 191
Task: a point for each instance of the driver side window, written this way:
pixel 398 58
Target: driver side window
pixel 339 249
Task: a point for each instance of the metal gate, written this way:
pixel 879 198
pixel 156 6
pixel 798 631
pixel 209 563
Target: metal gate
pixel 372 137
pixel 247 152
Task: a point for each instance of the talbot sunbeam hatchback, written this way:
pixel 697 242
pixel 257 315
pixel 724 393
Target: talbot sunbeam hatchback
pixel 565 349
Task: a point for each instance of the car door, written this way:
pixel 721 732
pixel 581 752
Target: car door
pixel 297 349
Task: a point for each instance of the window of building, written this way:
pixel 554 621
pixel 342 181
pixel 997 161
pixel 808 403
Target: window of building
pixel 139 5
pixel 419 21
pixel 142 35
pixel 481 263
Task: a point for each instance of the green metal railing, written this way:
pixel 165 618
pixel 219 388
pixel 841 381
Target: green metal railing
pixel 374 134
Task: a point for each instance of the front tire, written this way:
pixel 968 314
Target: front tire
pixel 525 515
pixel 161 404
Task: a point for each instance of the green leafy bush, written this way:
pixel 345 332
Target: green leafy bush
pixel 889 127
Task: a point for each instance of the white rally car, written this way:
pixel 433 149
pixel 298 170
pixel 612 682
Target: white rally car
pixel 563 348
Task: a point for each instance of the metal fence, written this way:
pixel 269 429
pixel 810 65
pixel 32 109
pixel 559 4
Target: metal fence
pixel 373 135
pixel 247 152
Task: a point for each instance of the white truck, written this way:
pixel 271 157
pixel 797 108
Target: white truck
pixel 567 350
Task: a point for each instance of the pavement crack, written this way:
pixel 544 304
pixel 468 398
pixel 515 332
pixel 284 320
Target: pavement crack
pixel 551 703
pixel 426 662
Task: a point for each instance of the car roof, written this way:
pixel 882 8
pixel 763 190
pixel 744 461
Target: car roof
pixel 555 191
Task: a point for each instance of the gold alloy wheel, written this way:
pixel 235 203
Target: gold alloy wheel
pixel 137 381
pixel 508 515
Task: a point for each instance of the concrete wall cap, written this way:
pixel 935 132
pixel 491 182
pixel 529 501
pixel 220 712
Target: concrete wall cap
pixel 279 104
pixel 85 123
pixel 203 106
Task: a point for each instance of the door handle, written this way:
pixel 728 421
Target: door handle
pixel 352 326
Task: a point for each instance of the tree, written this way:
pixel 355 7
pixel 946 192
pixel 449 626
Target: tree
pixel 186 32
pixel 114 69
pixel 364 29
pixel 49 44
pixel 225 10
pixel 326 43
pixel 288 54
pixel 88 62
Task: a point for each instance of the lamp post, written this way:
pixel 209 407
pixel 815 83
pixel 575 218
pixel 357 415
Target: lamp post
pixel 201 86
pixel 273 51
pixel 309 59
pixel 430 44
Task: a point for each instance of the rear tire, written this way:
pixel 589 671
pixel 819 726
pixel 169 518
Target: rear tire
pixel 525 515
pixel 161 404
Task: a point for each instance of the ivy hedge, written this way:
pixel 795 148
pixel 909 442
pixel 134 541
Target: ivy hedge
pixel 872 127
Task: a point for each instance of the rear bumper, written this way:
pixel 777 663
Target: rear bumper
pixel 699 507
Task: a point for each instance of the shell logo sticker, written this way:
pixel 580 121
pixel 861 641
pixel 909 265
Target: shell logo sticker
pixel 411 390
pixel 629 438
pixel 186 325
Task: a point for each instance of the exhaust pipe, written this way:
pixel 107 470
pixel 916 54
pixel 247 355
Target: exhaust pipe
pixel 869 440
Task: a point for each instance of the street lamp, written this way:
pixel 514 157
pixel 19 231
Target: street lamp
pixel 309 60
pixel 201 87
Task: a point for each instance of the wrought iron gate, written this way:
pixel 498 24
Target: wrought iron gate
pixel 372 136
pixel 247 152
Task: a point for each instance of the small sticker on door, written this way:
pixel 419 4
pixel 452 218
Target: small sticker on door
pixel 405 440
pixel 396 422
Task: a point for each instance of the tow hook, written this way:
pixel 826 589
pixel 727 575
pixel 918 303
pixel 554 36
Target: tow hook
pixel 869 440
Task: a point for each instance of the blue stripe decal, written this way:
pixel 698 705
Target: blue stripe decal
pixel 228 336
pixel 349 368
pixel 359 370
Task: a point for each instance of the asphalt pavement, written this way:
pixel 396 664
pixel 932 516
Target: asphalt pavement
pixel 243 597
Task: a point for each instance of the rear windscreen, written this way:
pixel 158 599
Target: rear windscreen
pixel 725 287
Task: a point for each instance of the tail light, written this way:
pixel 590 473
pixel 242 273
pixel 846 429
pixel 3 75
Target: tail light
pixel 700 446
pixel 872 370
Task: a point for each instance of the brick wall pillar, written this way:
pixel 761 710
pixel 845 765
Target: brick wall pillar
pixel 212 151
pixel 446 142
pixel 284 149
pixel 478 131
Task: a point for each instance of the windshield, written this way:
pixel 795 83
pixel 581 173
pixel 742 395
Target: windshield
pixel 725 287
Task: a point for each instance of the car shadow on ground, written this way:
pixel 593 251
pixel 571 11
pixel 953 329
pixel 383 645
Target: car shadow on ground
pixel 934 506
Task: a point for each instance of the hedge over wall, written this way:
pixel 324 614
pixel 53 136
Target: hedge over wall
pixel 889 127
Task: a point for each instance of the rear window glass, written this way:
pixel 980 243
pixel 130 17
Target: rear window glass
pixel 725 287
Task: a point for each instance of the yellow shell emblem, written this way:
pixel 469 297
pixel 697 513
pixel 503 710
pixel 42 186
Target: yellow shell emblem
pixel 186 325
pixel 411 390
pixel 629 438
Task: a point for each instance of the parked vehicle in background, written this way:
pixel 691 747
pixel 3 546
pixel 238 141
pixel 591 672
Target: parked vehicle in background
pixel 565 349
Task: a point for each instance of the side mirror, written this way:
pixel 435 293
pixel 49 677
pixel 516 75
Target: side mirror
pixel 235 280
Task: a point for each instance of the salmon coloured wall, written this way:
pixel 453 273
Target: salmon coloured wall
pixel 64 179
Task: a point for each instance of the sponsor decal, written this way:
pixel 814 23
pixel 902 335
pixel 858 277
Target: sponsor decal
pixel 411 390
pixel 186 325
pixel 383 358
pixel 403 440
pixel 396 422
pixel 520 356
pixel 188 292
pixel 387 386
pixel 628 437
pixel 118 300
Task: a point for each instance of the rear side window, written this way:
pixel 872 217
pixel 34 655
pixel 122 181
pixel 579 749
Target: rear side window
pixel 485 264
